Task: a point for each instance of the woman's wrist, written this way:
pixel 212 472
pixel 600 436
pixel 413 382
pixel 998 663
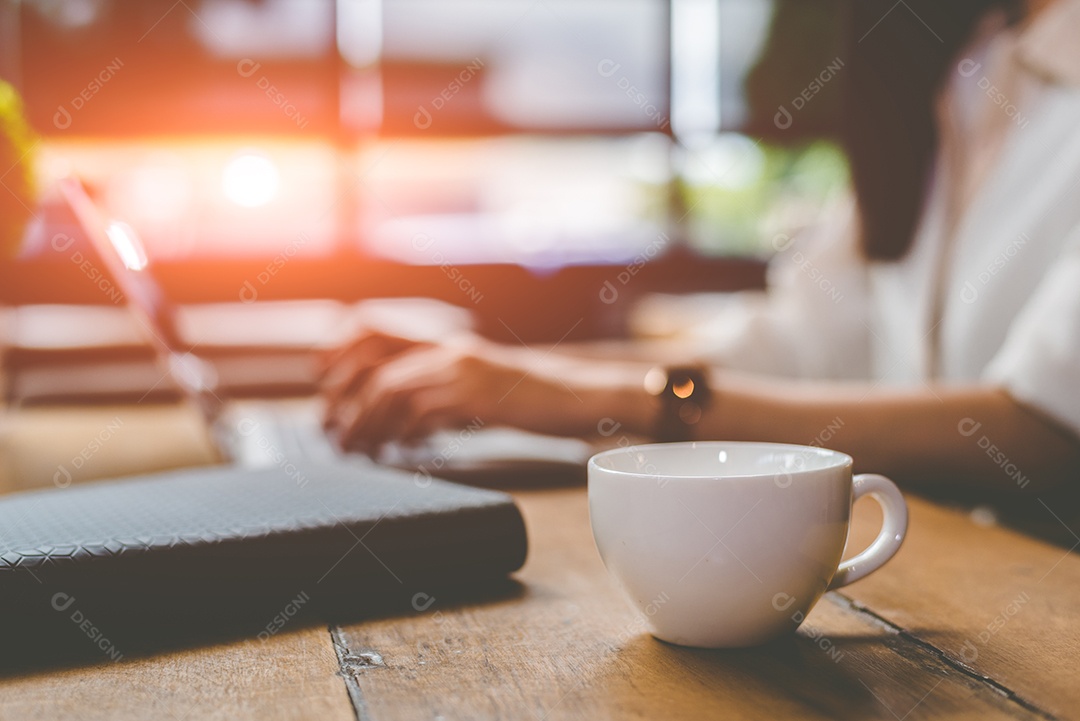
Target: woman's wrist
pixel 630 405
pixel 684 394
pixel 610 398
pixel 658 403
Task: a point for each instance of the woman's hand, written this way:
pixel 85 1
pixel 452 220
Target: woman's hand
pixel 344 369
pixel 384 388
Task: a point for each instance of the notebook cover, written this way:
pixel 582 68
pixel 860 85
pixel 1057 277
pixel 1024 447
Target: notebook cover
pixel 248 548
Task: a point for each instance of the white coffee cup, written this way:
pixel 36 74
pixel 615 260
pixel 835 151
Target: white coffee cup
pixel 724 544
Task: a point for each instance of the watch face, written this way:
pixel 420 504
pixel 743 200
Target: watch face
pixel 683 400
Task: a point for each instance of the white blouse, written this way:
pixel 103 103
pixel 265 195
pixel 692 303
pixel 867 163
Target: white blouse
pixel 990 290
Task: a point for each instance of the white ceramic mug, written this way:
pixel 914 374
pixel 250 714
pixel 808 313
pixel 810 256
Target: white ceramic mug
pixel 731 544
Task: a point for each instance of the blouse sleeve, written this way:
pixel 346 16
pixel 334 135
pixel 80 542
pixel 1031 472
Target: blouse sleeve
pixel 812 321
pixel 1039 362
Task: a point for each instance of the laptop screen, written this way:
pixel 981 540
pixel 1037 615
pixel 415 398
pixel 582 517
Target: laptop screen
pixel 120 249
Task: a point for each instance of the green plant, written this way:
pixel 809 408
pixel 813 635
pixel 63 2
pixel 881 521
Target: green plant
pixel 17 188
pixel 788 186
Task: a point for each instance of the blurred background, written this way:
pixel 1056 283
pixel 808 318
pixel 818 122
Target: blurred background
pixel 519 159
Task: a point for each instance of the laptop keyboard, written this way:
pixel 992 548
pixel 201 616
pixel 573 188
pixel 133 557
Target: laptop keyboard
pixel 276 434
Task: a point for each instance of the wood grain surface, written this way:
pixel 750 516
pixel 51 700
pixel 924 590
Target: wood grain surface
pixel 47 446
pixel 570 647
pixel 1002 604
pixel 288 676
pixel 967 622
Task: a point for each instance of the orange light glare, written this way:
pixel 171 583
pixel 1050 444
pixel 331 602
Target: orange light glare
pixel 250 180
pixel 683 390
pixel 127 245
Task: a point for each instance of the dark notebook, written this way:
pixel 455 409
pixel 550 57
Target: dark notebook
pixel 248 551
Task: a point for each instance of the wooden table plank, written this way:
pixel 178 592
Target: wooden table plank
pixel 289 676
pixel 571 647
pixel 57 445
pixel 995 601
pixel 963 617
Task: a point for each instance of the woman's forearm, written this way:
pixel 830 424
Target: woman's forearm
pixel 970 436
pixel 973 436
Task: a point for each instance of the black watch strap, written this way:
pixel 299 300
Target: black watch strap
pixel 684 397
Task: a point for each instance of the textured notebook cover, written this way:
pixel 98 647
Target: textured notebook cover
pixel 226 544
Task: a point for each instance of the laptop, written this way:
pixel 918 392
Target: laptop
pixel 265 433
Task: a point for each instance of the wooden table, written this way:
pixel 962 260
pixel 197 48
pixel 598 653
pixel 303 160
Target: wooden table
pixel 968 621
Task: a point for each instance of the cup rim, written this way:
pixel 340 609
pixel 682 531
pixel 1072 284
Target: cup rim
pixel 842 459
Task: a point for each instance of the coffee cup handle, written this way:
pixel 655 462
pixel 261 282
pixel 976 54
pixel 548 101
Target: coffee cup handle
pixel 893 528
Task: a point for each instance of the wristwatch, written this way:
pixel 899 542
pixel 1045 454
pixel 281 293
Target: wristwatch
pixel 684 396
